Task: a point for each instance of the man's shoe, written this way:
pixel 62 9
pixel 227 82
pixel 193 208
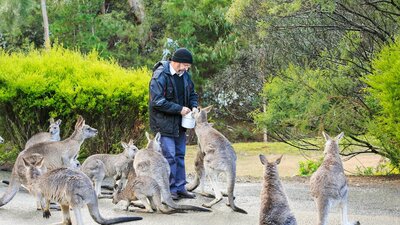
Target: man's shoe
pixel 186 194
pixel 174 196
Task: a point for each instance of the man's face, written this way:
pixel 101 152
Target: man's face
pixel 182 67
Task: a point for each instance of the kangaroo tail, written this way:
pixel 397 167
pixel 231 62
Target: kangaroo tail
pixel 231 177
pixel 199 168
pixel 12 189
pixel 95 214
pixel 5 182
pixel 172 204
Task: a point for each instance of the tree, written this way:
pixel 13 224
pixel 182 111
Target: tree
pixel 317 51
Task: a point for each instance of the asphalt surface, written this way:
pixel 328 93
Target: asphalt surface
pixel 372 204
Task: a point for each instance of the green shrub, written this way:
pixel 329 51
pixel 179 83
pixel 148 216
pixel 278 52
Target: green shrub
pixel 308 167
pixel 62 83
pixel 384 98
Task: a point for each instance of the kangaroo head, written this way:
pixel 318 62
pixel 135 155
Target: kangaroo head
pixel 54 127
pixel 130 149
pixel 270 167
pixel 117 194
pixel 1 140
pixel 201 115
pixel 154 144
pixel 83 129
pixel 332 144
pixel 34 166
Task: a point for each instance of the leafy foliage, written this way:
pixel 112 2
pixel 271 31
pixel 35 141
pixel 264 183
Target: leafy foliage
pixel 308 167
pixel 62 83
pixel 385 98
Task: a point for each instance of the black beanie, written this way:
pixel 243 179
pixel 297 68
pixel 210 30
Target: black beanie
pixel 182 55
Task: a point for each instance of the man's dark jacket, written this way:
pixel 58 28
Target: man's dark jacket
pixel 165 111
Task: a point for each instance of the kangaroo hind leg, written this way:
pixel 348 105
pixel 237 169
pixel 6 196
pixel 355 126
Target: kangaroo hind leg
pixel 213 177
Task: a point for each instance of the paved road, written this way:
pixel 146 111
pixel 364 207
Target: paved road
pixel 375 204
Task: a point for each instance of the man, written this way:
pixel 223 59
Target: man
pixel 172 96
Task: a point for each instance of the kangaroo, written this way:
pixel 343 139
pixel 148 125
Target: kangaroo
pixel 151 163
pixel 56 154
pixel 329 184
pixel 52 135
pixel 219 157
pixel 1 140
pixel 99 166
pixel 141 188
pixel 70 188
pixel 274 204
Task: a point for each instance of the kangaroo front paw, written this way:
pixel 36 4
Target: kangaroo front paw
pixel 46 214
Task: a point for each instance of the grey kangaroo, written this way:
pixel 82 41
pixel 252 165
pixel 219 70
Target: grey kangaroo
pixel 70 188
pixel 56 154
pixel 141 188
pixel 329 184
pixel 218 157
pixel 151 163
pixel 274 208
pixel 99 166
pixel 52 135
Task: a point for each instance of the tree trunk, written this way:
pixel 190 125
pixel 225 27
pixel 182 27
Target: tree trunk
pixel 137 9
pixel 45 24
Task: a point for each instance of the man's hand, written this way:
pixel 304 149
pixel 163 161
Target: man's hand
pixel 185 110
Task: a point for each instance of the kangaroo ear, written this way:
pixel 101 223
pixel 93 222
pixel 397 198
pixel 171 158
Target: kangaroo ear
pixel 26 163
pixel 51 120
pixel 124 144
pixel 39 163
pixel 278 160
pixel 208 108
pixel 326 136
pixel 158 137
pixel 79 122
pixel 58 122
pixel 263 159
pixel 340 136
pixel 148 136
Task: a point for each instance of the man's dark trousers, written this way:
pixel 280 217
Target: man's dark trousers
pixel 174 149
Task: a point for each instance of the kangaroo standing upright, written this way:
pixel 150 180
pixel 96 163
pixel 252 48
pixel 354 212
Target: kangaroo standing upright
pixel 99 166
pixel 329 184
pixel 56 154
pixel 52 135
pixel 150 162
pixel 70 188
pixel 218 157
pixel 275 208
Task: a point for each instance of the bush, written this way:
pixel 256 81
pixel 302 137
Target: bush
pixel 61 83
pixel 308 167
pixel 384 99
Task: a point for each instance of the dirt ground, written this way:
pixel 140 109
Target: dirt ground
pixel 372 201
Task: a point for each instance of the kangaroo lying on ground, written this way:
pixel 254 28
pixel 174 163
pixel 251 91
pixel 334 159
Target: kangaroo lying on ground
pixel 329 184
pixel 56 154
pixel 141 188
pixel 274 208
pixel 52 135
pixel 99 166
pixel 70 188
pixel 151 163
pixel 218 157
